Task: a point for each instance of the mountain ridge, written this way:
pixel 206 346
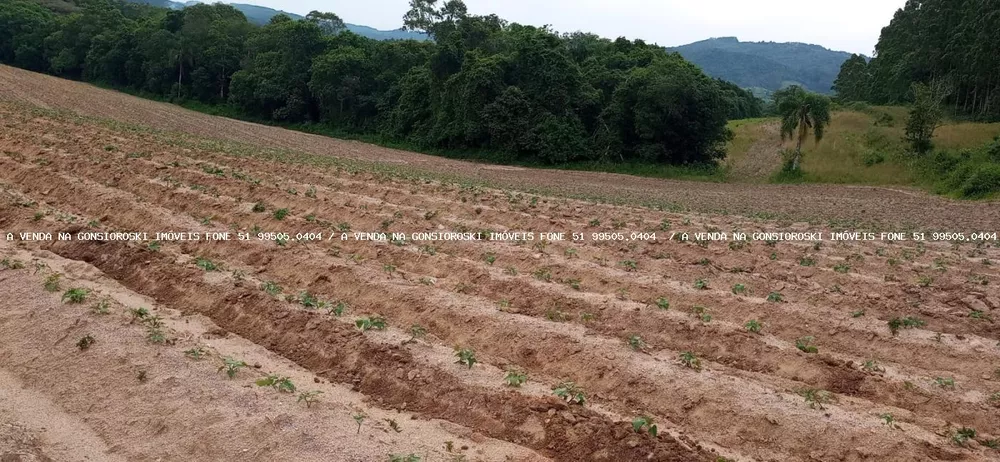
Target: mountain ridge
pixel 767 66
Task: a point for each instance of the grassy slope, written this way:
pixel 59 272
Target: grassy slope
pixel 854 137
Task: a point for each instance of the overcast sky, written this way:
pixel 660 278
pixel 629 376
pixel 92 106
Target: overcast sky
pixel 848 25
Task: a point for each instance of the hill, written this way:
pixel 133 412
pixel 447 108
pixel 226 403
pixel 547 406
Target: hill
pixel 766 66
pixel 260 15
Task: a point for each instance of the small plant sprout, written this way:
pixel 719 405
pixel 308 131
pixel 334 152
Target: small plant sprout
pixel 739 289
pixel 689 360
pixel 662 303
pixel 231 366
pixel 636 343
pixel 963 435
pixel 490 258
pixel 570 392
pixel 701 284
pixel 102 307
pixel 805 344
pixel 138 314
pixel 337 309
pixel 404 458
pixel 359 418
pixel 889 421
pixel 895 324
pixel 271 287
pixel 196 353
pixel 206 264
pixel 154 246
pixel 85 342
pixel 280 214
pixel 701 313
pixel 280 383
pixel 754 326
pixel 155 335
pixel 465 356
pixel 309 397
pixel 816 398
pixel 75 295
pixel 644 423
pixel 515 378
pixel 374 322
pixel 945 382
pixel 630 265
pixel 872 366
pixel 51 283
pixel 259 207
pixel 774 297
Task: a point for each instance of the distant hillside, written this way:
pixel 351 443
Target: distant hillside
pixel 766 66
pixel 261 15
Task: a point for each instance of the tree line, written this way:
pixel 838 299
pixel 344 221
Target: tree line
pixel 526 93
pixel 951 46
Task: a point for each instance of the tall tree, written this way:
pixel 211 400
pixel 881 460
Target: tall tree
pixel 801 112
pixel 854 80
pixel 329 23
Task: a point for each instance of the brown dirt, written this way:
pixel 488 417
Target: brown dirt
pixel 557 310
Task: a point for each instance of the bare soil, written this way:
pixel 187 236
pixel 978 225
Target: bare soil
pixel 556 310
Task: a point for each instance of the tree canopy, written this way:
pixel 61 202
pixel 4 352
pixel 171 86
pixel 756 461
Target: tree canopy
pixel 949 43
pixel 483 84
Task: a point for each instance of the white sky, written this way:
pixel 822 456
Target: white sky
pixel 848 25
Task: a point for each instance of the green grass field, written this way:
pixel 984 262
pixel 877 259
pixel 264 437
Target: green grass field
pixel 861 147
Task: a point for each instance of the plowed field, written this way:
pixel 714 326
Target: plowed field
pixel 643 327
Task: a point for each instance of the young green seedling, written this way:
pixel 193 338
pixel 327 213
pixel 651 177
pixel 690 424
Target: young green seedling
pixel 515 378
pixel 570 392
pixel 644 423
pixel 102 307
pixel 51 283
pixel 465 356
pixel 689 360
pixel 739 289
pixel 636 343
pixel 85 342
pixel 774 297
pixel 374 322
pixel 359 418
pixel 816 398
pixel 309 397
pixel 280 383
pixel 231 366
pixel 138 314
pixel 805 344
pixel 701 284
pixel 196 353
pixel 662 303
pixel 753 326
pixel 76 295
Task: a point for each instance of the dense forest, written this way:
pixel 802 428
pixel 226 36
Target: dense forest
pixel 480 84
pixel 953 46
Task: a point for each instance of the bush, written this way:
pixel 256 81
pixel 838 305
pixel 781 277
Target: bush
pixel 870 158
pixel 982 182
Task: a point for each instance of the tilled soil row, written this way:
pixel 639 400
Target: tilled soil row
pixel 296 268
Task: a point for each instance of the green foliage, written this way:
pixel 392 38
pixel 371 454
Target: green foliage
pixel 636 343
pixel 691 361
pixel 280 383
pixel 373 322
pixel 925 117
pixel 483 86
pixel 570 392
pixel 404 458
pixel 816 398
pixel 641 423
pixel 196 353
pixel 754 326
pixel 800 112
pixel 271 287
pixel 805 344
pixel 515 378
pixel 280 214
pixel 231 366
pixel 466 356
pixel 206 264
pixel 51 282
pixel 75 295
pixel 775 297
pixel 85 342
pixel 309 397
pixel 909 322
pixel 662 303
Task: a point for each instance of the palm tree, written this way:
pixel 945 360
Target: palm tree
pixel 801 111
